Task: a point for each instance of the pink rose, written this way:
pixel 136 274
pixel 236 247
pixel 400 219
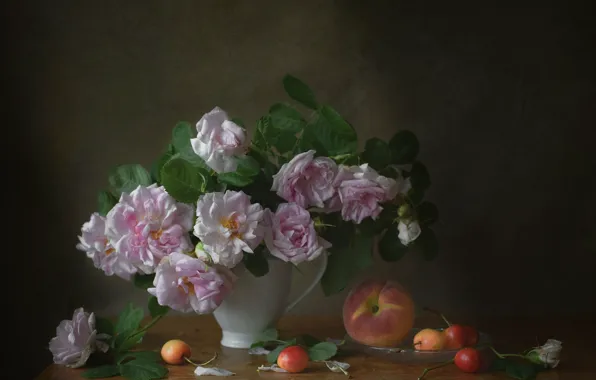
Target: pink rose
pixel 306 180
pixel 360 191
pixel 290 234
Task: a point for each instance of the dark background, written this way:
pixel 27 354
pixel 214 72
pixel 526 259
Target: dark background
pixel 502 98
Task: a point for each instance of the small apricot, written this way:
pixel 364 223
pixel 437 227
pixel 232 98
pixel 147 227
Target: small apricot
pixel 429 340
pixel 174 351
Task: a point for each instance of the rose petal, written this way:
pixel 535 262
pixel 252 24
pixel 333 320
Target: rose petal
pixel 258 351
pixel 212 371
pixel 336 366
pixel 273 368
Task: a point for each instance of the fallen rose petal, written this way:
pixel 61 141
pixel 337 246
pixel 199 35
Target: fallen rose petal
pixel 204 371
pixel 258 351
pixel 274 368
pixel 335 366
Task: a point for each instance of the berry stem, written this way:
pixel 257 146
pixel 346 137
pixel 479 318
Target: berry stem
pixel 201 364
pixel 427 370
pixel 439 314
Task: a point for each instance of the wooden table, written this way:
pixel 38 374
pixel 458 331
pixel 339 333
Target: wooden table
pixel 509 335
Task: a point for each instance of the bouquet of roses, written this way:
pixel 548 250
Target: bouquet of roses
pixel 216 199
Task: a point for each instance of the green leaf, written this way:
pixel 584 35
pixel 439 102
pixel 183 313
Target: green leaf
pixel 161 161
pixel 330 134
pixel 129 319
pixel 104 326
pixel 143 370
pixel 269 335
pixel 256 263
pixel 286 118
pixel 299 91
pixel 105 202
pixel 345 263
pixel 520 370
pixel 234 179
pixel 127 339
pixel 183 181
pixel 146 356
pixel 181 135
pixel 428 213
pixel 272 356
pixel 247 166
pixel 372 227
pixel 309 340
pixel 143 281
pixel 260 139
pixel 155 309
pixel 404 147
pixel 238 121
pixel 390 247
pixel 285 142
pixel 101 372
pixel 428 244
pixel 419 176
pixel 376 153
pixel 322 351
pixel 125 178
pixel 415 196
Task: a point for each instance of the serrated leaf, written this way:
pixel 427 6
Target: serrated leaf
pixel 143 370
pixel 151 356
pixel 272 356
pixel 520 370
pixel 427 213
pixel 390 247
pixel 105 202
pixel 184 181
pixel 234 179
pixel 404 147
pixel 155 309
pixel 322 351
pixel 419 176
pixel 104 326
pixel 101 372
pixel 344 263
pixel 260 139
pixel 161 161
pixel 286 118
pixel 299 91
pixel 181 135
pixel 330 134
pixel 256 263
pixel 415 196
pixel 247 166
pixel 125 178
pixel 377 153
pixel 268 335
pixel 129 319
pixel 143 281
pixel 428 244
pixel 126 340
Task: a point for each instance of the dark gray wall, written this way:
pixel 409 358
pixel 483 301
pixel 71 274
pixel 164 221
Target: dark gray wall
pixel 501 98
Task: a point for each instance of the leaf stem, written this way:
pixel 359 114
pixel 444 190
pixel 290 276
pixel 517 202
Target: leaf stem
pixel 427 370
pixel 147 326
pixel 439 314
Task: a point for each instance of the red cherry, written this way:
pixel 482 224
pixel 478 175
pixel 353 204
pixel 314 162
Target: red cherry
pixel 293 359
pixel 471 335
pixel 455 337
pixel 468 360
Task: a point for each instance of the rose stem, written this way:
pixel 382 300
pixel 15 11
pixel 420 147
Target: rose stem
pixel 503 356
pixel 202 364
pixel 427 370
pixel 439 314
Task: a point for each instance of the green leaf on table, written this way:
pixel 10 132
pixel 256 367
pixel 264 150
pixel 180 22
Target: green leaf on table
pixel 161 161
pixel 184 181
pixel 345 263
pixel 330 134
pixel 419 176
pixel 427 213
pixel 268 335
pixel 125 178
pixel 247 166
pixel 101 372
pixel 299 91
pixel 309 340
pixel 155 309
pixel 427 242
pixel 390 247
pixel 256 263
pixel 143 281
pixel 139 369
pixel 377 153
pixel 273 354
pixel 151 356
pixel 404 147
pixel 104 326
pixel 286 118
pixel 129 319
pixel 322 351
pixel 105 202
pixel 520 370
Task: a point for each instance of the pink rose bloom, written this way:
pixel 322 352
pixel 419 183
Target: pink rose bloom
pixel 228 225
pixel 147 225
pixel 360 192
pixel 306 180
pixel 76 340
pixel 219 140
pixel 186 284
pixel 290 234
pixel 94 243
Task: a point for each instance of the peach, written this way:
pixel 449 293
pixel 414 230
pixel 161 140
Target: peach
pixel 378 313
pixel 175 351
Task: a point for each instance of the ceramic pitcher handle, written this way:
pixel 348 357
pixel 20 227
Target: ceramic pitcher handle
pixel 319 275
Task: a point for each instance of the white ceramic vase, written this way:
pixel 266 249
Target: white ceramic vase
pixel 257 303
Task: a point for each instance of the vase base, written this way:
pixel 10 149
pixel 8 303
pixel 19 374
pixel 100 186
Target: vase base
pixel 238 340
